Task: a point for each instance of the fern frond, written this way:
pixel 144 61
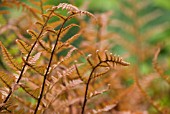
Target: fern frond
pixel 52 31
pixel 38 69
pixel 73 38
pixel 108 59
pixel 39 23
pixel 96 75
pixel 45 46
pixel 63 31
pixel 89 61
pixel 72 9
pixel 55 24
pixel 67 56
pixel 66 29
pixel 33 60
pixel 60 16
pixel 32 33
pixel 73 83
pixel 23 46
pixel 32 92
pixel 9 59
pixel 7 79
pixel 94 66
pixel 68 71
pixel 68 7
pixel 78 73
pixel 158 69
pixel 95 93
pixel 69 27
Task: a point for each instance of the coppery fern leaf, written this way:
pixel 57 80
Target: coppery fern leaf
pixel 78 73
pixel 67 56
pixel 9 59
pixel 72 9
pixel 23 46
pixel 96 75
pixel 35 58
pixel 60 16
pixel 95 93
pixel 73 83
pixel 39 23
pixel 38 69
pixel 69 27
pixel 45 46
pixel 32 92
pixel 32 33
pixel 73 38
pixel 7 79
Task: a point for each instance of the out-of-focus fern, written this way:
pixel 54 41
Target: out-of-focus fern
pixel 139 25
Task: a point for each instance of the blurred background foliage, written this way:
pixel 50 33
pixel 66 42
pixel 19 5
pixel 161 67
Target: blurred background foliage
pixel 134 29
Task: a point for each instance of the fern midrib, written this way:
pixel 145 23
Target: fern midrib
pixel 51 58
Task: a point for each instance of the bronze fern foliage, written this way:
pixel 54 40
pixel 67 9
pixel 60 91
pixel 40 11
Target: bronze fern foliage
pixel 43 78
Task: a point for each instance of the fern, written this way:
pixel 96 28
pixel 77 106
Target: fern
pixel 6 79
pixel 107 59
pixel 9 59
pixel 46 78
pixel 24 47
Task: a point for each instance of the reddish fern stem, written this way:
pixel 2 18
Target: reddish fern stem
pixel 89 79
pixel 25 64
pixel 86 91
pixel 51 58
pixel 87 86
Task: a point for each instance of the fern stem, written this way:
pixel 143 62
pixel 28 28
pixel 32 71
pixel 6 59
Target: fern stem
pixel 86 91
pixel 90 77
pixel 27 58
pixel 87 85
pixel 50 61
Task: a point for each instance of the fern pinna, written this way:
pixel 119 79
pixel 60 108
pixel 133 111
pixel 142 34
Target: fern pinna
pixel 44 81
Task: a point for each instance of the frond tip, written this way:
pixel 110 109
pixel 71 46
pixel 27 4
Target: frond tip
pixel 72 9
pixel 110 58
